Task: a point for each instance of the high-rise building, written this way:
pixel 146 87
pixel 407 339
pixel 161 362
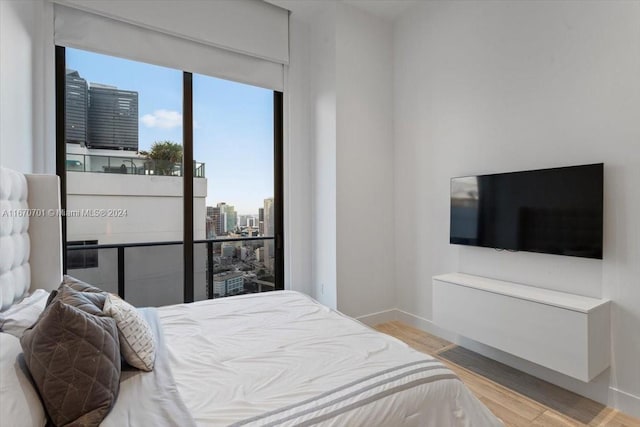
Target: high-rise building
pixel 76 108
pixel 113 118
pixel 228 217
pixel 261 221
pixel 214 225
pixel 100 116
pixel 268 217
pixel 215 216
pixel 269 230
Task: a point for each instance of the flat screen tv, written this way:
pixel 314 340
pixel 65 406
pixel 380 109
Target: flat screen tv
pixel 553 211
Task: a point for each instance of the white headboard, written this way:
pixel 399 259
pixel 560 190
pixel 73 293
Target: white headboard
pixel 30 234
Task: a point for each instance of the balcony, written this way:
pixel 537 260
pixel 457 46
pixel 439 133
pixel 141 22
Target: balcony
pixel 128 165
pixel 151 273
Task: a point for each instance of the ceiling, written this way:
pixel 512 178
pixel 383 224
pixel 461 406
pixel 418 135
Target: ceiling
pixel 386 9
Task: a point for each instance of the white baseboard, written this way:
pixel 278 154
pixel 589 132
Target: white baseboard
pixel 379 317
pixel 598 389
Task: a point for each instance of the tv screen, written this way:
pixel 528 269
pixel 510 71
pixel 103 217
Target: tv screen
pixel 553 211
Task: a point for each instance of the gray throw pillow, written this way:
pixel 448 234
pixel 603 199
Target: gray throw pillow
pixel 79 285
pixel 90 302
pixel 74 359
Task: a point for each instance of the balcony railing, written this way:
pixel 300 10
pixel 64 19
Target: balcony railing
pixel 227 266
pixel 127 165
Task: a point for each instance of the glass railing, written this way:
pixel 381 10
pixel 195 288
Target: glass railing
pixel 128 165
pixel 151 274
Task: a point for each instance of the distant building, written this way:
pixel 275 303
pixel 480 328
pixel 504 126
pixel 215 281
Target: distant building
pixel 214 225
pixel 261 221
pixel 100 116
pixel 152 279
pixel 210 228
pixel 259 254
pixel 76 108
pixel 217 221
pixel 228 217
pixel 228 250
pixel 269 230
pixel 228 283
pixel 113 118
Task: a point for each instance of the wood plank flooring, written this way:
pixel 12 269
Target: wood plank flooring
pixel 517 398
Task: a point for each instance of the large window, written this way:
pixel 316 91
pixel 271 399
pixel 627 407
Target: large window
pixel 233 132
pixel 172 181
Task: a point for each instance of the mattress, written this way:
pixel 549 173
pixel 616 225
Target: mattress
pixel 281 358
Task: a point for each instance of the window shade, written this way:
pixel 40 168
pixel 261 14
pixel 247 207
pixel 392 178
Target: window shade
pixel 198 48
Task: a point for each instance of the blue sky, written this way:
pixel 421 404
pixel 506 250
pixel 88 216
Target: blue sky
pixel 233 123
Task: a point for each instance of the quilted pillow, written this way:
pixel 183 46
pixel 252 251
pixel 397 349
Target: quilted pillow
pixel 79 285
pixel 137 342
pixel 90 302
pixel 74 359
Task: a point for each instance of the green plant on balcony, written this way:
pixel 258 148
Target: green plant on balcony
pixel 166 157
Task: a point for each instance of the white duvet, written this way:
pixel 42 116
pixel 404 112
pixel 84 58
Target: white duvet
pixel 242 357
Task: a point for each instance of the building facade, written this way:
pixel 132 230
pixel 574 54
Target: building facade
pixel 112 118
pixel 76 108
pixel 228 284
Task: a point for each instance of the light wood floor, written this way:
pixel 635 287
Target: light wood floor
pixel 517 398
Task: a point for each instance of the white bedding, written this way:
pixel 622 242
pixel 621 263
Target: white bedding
pixel 241 357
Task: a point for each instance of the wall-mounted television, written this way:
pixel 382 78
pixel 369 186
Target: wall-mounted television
pixel 553 211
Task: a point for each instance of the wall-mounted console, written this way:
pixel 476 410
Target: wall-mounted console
pixel 564 332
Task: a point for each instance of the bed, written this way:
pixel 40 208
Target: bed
pixel 277 358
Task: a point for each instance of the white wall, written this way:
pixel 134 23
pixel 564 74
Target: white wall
pixel 297 161
pixel 322 56
pixel 364 153
pixel 348 96
pixel 492 87
pixel 25 88
pixel 16 88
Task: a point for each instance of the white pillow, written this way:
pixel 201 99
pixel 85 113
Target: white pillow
pixel 21 404
pixel 137 342
pixel 21 316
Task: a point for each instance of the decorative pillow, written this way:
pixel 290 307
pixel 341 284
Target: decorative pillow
pixel 17 318
pixel 74 359
pixel 79 285
pixel 90 302
pixel 137 342
pixel 21 404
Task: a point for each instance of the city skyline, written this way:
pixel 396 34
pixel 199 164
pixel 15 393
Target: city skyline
pixel 233 122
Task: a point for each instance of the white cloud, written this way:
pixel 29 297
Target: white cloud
pixel 163 119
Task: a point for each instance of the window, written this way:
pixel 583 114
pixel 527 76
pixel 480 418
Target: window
pixel 178 176
pixel 234 134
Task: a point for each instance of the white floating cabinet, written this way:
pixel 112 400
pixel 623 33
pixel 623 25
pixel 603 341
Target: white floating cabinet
pixel 563 332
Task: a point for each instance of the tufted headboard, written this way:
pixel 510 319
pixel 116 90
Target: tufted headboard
pixel 30 234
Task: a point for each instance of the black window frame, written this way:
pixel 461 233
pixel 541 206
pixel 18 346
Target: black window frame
pixel 187 178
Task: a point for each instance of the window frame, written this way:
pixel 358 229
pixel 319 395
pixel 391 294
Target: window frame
pixel 187 178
